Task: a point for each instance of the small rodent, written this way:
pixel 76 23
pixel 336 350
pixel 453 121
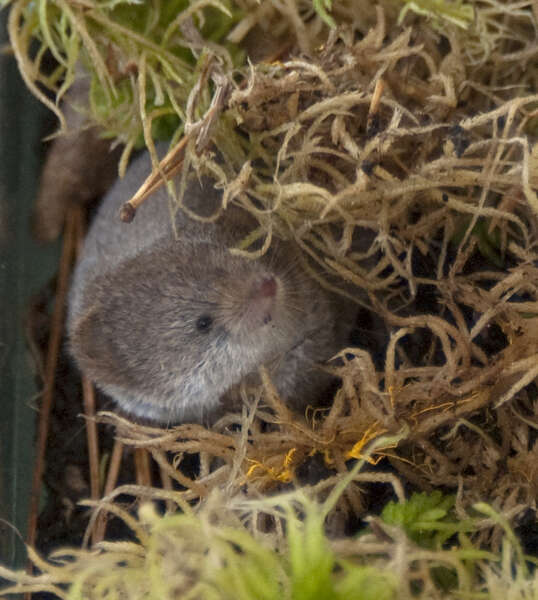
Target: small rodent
pixel 166 325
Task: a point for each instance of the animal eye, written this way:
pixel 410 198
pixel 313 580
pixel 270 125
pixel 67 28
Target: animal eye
pixel 203 324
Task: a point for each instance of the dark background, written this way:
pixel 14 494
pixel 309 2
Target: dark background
pixel 25 267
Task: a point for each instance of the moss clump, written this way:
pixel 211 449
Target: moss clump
pixel 395 145
pixel 137 60
pixel 211 554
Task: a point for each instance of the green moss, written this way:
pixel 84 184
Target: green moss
pixel 322 7
pixel 458 13
pixel 141 64
pixel 428 519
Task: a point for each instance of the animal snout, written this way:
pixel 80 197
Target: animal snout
pixel 262 299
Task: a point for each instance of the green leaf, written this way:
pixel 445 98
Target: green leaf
pixel 458 13
pixel 426 518
pixel 321 7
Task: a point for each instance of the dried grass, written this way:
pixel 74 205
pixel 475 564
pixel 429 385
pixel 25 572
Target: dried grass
pixel 402 159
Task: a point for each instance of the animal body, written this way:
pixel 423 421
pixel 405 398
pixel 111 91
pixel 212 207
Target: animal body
pixel 167 324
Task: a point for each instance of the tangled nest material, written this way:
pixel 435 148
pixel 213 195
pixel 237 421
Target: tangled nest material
pixel 382 137
pixel 402 160
pixel 212 554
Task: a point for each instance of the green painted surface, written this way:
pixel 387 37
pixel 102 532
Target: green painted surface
pixel 25 267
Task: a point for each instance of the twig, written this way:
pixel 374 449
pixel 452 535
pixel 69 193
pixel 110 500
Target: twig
pixel 88 395
pixel 97 526
pixel 142 468
pixel 55 340
pixel 169 166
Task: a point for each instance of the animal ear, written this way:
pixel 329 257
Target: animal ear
pixel 94 350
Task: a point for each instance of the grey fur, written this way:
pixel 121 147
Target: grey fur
pixel 138 292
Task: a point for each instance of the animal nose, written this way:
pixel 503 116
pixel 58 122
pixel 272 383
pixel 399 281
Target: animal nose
pixel 262 300
pixel 267 288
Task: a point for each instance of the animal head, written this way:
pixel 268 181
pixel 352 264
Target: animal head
pixel 167 332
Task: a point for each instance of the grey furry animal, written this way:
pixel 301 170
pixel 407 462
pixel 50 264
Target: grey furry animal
pixel 166 325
